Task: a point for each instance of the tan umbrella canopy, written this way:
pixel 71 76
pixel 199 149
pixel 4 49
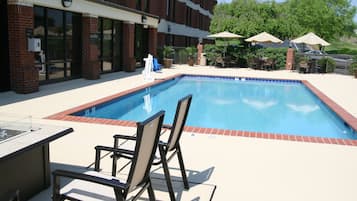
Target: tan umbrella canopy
pixel 263 37
pixel 311 39
pixel 224 34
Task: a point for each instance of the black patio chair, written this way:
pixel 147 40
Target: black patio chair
pixel 92 184
pixel 167 149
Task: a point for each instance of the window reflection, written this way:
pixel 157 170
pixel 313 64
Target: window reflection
pixel 55 36
pixel 39 32
pixel 60 34
pixel 110 44
pixel 55 70
pixel 107 38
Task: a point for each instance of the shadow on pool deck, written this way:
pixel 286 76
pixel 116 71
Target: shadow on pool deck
pixel 199 190
pixel 10 97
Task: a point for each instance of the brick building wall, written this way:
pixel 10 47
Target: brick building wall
pixel 180 15
pixel 90 61
pixel 23 74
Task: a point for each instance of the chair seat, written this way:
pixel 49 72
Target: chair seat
pixel 84 190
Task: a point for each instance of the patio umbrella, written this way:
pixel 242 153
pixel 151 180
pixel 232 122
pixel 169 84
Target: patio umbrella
pixel 311 39
pixel 225 35
pixel 263 37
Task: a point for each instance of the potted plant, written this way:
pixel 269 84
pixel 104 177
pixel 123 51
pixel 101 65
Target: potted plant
pixel 353 67
pixel 167 53
pixel 191 52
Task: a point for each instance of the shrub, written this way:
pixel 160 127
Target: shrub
pixel 353 67
pixel 191 51
pixel 278 54
pixel 213 52
pixel 168 52
pixel 327 64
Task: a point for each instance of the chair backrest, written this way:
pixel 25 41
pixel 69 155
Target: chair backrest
pixel 182 109
pixel 156 64
pixel 148 133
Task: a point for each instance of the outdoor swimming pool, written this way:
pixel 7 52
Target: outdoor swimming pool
pixel 259 105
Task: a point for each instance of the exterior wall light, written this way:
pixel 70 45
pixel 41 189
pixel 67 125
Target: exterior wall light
pixel 144 19
pixel 66 3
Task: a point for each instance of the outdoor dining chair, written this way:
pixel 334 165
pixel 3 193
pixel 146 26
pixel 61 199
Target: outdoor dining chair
pixel 93 185
pixel 167 149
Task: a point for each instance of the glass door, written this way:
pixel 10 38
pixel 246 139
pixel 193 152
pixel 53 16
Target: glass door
pixel 141 44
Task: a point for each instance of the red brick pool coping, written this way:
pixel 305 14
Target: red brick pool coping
pixel 347 117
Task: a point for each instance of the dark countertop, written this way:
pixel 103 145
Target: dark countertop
pixel 39 135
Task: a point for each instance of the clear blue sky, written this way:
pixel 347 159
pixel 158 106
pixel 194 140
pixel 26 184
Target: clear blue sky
pixel 354 2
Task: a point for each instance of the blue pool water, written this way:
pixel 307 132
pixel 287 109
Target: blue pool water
pixel 286 107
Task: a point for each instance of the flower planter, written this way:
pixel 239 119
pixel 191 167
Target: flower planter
pixel 168 63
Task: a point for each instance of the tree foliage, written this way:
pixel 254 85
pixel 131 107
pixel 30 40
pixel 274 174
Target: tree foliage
pixel 327 18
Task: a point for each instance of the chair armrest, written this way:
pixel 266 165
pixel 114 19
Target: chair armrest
pixel 116 151
pixel 76 175
pixel 125 137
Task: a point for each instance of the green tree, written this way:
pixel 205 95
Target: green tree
pixel 327 18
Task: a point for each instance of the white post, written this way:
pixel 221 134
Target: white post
pixel 147 72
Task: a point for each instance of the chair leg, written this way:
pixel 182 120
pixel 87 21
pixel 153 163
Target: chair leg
pixel 119 195
pixel 167 173
pixel 115 159
pixel 114 166
pixel 151 192
pixel 182 167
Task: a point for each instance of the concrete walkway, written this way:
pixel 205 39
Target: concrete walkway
pixel 234 168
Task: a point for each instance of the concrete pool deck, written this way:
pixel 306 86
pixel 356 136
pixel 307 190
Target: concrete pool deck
pixel 239 168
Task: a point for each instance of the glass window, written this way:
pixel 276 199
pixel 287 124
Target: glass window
pixel 74 44
pixel 138 4
pixel 106 34
pixel 55 35
pixel 69 36
pixel 141 44
pixel 142 5
pixel 39 23
pixel 117 45
pixel 100 35
pixel 55 70
pixel 39 32
pixel 107 38
pixel 60 34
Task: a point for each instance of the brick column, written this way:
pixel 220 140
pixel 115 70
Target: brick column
pixel 90 49
pixel 23 74
pixel 199 52
pixel 290 59
pixel 153 41
pixel 128 47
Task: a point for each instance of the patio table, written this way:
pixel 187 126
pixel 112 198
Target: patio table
pixel 24 159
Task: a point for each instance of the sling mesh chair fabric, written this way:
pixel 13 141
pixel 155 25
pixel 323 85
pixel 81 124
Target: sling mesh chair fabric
pixel 93 185
pixel 167 149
